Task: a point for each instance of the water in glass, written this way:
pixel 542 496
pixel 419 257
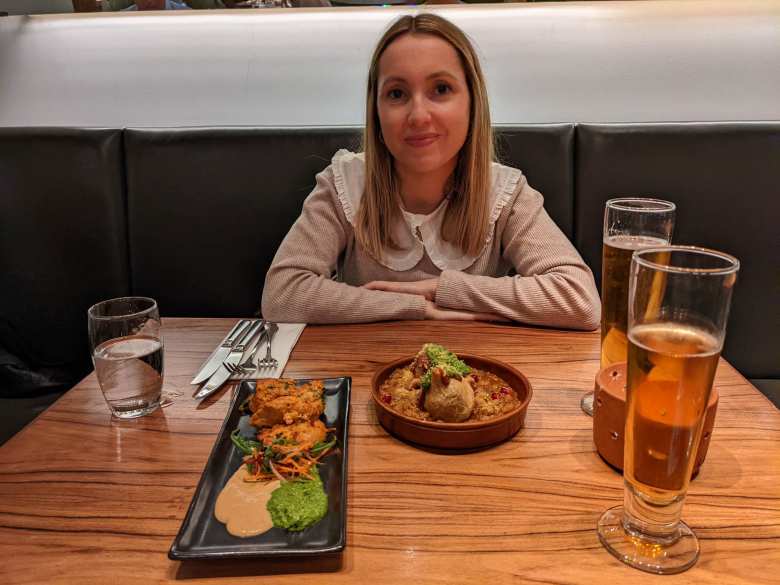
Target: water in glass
pixel 130 372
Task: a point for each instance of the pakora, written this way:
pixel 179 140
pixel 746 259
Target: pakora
pixel 283 402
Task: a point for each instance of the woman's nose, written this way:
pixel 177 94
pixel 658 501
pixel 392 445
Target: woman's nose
pixel 419 113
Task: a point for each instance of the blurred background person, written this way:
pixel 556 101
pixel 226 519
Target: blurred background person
pixel 157 5
pixel 86 6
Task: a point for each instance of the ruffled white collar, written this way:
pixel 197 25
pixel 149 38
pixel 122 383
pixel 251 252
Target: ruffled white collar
pixel 417 234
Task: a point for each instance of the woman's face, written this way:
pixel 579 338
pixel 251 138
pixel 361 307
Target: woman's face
pixel 423 103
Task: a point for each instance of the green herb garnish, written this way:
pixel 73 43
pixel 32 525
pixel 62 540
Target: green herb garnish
pixel 443 358
pixel 246 446
pixel 320 446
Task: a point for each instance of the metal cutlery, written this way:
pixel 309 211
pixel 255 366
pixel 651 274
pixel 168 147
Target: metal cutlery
pixel 234 357
pixel 248 365
pixel 222 352
pixel 268 361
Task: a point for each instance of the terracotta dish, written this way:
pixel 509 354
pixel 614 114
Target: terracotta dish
pixel 466 435
pixel 609 417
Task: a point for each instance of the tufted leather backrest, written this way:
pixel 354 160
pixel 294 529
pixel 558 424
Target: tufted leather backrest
pixel 545 154
pixel 724 179
pixel 208 207
pixel 63 241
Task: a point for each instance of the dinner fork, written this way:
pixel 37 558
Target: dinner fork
pixel 248 364
pixel 269 362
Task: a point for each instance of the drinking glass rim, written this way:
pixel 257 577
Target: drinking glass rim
pixel 733 262
pixel 663 205
pixel 92 315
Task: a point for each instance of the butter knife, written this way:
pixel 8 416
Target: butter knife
pixel 222 352
pixel 234 357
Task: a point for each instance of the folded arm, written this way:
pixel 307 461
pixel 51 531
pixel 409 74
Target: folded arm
pixel 553 286
pixel 299 286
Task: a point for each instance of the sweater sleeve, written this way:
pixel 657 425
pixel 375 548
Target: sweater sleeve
pixel 553 285
pixel 299 285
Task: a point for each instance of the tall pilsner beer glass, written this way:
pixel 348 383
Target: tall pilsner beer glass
pixel 679 299
pixel 630 223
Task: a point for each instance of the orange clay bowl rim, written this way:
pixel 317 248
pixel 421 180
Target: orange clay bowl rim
pixel 464 426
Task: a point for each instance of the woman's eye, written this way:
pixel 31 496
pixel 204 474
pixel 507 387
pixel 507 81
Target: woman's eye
pixel 442 89
pixel 395 94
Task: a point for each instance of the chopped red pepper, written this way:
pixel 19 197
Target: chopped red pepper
pixel 386 398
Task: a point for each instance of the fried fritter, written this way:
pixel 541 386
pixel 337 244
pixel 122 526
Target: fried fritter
pixel 300 436
pixel 281 401
pixel 449 399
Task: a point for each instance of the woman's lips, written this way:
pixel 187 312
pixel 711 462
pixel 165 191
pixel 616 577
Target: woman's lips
pixel 421 140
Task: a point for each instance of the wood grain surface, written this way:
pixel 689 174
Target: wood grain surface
pixel 85 498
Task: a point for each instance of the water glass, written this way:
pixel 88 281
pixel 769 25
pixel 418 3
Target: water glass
pixel 679 299
pixel 127 351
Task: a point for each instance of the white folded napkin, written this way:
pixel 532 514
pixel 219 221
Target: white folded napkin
pixel 282 345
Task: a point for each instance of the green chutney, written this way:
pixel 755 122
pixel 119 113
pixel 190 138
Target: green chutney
pixel 296 505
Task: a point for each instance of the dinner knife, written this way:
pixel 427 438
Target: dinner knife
pixel 222 352
pixel 234 357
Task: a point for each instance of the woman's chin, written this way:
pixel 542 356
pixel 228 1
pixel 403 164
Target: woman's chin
pixel 419 162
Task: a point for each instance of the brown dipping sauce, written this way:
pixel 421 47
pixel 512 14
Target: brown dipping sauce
pixel 241 505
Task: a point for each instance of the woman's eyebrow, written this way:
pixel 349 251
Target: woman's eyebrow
pixel 435 75
pixel 442 73
pixel 392 79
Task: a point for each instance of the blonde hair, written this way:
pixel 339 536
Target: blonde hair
pixel 465 222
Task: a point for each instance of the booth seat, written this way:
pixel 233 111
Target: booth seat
pixel 193 217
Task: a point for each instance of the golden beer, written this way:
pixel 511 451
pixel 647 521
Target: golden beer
pixel 677 313
pixel 670 372
pixel 616 263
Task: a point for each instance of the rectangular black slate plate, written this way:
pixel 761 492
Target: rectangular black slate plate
pixel 202 536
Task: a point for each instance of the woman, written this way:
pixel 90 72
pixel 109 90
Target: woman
pixel 423 224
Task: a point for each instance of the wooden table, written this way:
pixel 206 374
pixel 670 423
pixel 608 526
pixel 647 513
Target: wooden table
pixel 86 499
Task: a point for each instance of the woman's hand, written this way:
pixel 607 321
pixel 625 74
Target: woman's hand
pixel 427 289
pixel 435 313
pixel 423 288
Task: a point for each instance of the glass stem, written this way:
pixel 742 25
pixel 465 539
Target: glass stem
pixel 655 521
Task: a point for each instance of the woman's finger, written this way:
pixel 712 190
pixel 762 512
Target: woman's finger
pixel 423 288
pixel 384 285
pixel 391 286
pixel 436 313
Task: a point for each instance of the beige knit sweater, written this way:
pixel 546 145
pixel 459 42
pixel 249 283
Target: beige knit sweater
pixel 317 273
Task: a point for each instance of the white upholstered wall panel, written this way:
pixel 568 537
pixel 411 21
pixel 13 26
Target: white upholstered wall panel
pixel 583 62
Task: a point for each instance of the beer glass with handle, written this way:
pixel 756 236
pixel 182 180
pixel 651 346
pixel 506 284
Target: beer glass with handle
pixel 679 298
pixel 630 223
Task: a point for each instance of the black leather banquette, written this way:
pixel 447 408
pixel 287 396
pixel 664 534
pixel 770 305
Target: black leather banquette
pixel 193 217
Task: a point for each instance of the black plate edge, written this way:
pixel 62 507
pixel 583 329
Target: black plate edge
pixel 342 542
pixel 175 554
